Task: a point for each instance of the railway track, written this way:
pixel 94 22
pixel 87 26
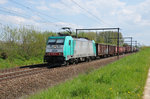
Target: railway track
pixel 8 74
pixel 22 71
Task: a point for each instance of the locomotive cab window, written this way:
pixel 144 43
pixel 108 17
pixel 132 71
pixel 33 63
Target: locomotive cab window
pixel 55 41
pixel 60 41
pixel 51 41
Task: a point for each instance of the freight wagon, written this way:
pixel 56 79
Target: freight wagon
pixel 128 49
pixel 121 50
pixel 104 50
pixel 101 50
pixel 111 50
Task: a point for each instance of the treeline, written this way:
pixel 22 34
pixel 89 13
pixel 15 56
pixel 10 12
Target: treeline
pixel 108 37
pixel 25 43
pixel 22 43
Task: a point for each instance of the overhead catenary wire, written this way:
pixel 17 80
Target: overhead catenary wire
pixel 90 13
pixel 39 13
pixel 36 12
pixel 32 9
pixel 2 9
pixel 66 5
pixel 15 13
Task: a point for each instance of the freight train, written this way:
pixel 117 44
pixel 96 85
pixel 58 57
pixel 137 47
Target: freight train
pixel 70 50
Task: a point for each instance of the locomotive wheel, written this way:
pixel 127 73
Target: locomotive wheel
pixel 49 64
pixel 90 59
pixel 76 61
pixel 66 63
pixel 87 59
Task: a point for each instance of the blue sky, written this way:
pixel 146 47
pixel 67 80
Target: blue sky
pixel 132 16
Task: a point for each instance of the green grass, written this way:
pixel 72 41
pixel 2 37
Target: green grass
pixel 18 62
pixel 123 79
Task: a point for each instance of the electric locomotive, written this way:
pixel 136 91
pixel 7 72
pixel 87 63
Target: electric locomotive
pixel 69 50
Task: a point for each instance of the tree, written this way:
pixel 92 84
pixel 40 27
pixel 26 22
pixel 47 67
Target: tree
pixel 109 37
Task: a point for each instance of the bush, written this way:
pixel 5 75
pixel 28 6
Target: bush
pixel 4 55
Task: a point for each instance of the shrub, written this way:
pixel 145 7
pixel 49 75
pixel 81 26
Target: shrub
pixel 4 55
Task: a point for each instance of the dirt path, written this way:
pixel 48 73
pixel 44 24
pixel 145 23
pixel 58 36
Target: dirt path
pixel 27 85
pixel 147 87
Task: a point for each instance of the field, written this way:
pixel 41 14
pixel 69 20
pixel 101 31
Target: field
pixel 123 79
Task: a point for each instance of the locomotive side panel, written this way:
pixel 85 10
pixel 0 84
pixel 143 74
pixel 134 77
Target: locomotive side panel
pixel 83 48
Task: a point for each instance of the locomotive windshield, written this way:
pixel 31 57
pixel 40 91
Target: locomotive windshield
pixel 51 41
pixel 56 41
pixel 59 41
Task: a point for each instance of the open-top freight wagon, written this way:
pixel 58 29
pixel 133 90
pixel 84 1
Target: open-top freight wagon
pixel 128 49
pixel 104 50
pixel 101 50
pixel 111 50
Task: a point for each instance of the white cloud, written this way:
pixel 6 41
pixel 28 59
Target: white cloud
pixel 16 20
pixel 3 1
pixel 12 19
pixel 33 21
pixel 112 11
pixel 67 7
pixel 73 26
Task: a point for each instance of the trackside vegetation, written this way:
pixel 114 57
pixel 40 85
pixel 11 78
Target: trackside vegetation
pixel 22 46
pixel 123 79
pixel 19 62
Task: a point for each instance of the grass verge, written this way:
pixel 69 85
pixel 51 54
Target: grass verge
pixel 123 79
pixel 18 62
